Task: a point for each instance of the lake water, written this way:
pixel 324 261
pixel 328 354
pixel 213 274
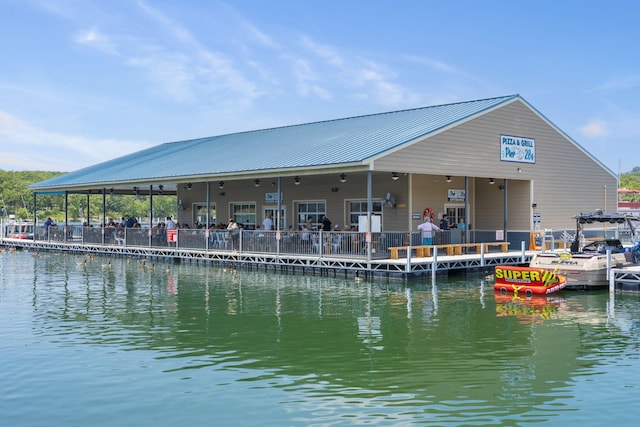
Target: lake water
pixel 192 345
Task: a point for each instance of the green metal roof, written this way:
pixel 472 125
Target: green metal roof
pixel 332 143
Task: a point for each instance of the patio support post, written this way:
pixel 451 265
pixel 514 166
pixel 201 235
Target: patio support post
pixel 150 214
pixel 104 212
pixel 369 210
pixel 207 216
pixel 66 214
pixel 466 211
pixel 506 209
pixel 278 218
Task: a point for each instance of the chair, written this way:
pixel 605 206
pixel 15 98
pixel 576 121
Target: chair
pixel 315 244
pixel 336 244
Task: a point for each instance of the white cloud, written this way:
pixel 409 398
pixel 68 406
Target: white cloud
pixel 26 147
pixel 95 39
pixel 373 81
pixel 200 71
pixel 595 128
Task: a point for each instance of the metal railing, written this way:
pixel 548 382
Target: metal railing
pixel 346 244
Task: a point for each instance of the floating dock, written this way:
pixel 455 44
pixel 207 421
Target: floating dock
pixel 401 268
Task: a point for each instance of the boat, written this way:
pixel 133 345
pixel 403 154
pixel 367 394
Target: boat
pixel 586 264
pixel 18 229
pixel 527 280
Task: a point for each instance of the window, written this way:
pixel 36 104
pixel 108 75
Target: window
pixel 200 214
pixel 358 208
pixel 314 210
pixel 244 213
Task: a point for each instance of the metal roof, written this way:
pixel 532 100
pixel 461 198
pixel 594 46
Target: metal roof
pixel 333 143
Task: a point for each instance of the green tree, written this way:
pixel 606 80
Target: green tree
pixel 18 200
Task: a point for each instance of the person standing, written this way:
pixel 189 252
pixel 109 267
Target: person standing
pixel 444 223
pixel 427 228
pixel 170 229
pixel 170 225
pixel 234 234
pixel 268 223
pixel 326 224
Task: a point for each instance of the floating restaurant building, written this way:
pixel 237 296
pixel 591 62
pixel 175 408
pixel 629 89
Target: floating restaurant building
pixel 493 165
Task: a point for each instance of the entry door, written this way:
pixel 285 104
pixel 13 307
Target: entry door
pixel 278 223
pixel 455 214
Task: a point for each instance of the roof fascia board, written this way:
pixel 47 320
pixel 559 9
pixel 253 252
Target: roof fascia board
pixel 128 184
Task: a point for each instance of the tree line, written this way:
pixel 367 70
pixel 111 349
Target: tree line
pixel 16 199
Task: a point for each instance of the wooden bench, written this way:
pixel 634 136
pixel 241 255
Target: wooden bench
pixel 424 251
pixel 504 246
pixel 394 251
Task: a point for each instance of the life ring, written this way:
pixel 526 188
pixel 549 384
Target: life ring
pixel 428 213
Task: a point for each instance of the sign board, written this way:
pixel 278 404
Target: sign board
pixel 456 195
pixel 517 149
pixel 499 234
pixel 272 197
pixel 375 223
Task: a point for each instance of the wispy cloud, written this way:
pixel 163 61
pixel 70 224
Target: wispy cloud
pixel 200 70
pixel 367 79
pixel 617 84
pixel 28 147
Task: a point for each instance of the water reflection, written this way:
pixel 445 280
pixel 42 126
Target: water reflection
pixel 337 350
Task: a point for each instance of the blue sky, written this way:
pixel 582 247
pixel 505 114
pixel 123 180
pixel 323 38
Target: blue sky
pixel 85 81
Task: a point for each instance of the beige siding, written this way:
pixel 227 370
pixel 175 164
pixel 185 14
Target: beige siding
pixel 563 182
pixel 311 188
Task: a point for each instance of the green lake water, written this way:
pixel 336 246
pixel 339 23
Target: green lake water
pixel 193 345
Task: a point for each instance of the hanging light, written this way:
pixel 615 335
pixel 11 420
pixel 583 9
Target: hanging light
pixel 189 186
pixel 257 182
pixel 160 187
pixel 221 185
pixel 448 178
pixel 296 180
pixel 343 177
pixel 394 176
pixel 492 181
pixel 136 190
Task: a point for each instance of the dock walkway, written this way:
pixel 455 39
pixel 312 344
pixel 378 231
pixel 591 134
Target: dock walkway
pixel 401 268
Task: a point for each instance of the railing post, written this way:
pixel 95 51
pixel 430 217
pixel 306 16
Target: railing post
pixel 482 261
pixel 434 265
